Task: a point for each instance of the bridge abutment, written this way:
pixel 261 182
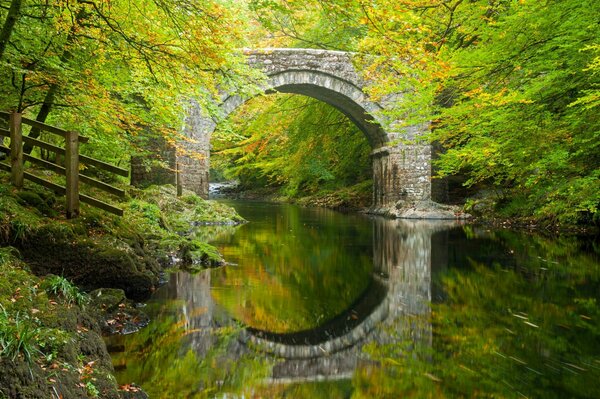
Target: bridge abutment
pixel 401 173
pixel 193 154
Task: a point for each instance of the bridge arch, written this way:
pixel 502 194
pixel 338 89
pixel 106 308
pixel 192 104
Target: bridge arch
pixel 342 95
pixel 401 172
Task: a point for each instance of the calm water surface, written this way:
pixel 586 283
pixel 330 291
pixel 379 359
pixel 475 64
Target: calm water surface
pixel 317 304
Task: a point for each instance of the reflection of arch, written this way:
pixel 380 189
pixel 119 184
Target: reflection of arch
pixel 345 330
pixel 401 172
pixel 404 254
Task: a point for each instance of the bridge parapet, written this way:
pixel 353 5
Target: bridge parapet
pixel 277 60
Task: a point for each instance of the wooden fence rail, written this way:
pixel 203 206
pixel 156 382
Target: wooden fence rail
pixel 70 169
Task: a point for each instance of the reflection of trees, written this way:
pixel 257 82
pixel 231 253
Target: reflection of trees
pixel 273 288
pixel 532 329
pixel 213 232
pixel 519 316
pixel 181 353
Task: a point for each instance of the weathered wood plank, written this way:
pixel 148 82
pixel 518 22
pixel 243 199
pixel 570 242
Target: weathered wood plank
pixel 60 190
pixel 82 158
pixel 51 129
pixel 45 164
pixel 83 178
pixel 16 150
pixel 102 186
pixel 103 165
pixel 52 186
pixel 44 145
pixel 72 173
pixel 4 132
pixel 99 204
pixel 5 167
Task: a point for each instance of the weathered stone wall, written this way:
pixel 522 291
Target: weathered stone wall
pixel 194 156
pixel 401 172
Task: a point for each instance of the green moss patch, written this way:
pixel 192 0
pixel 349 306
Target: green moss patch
pixel 49 346
pixel 101 250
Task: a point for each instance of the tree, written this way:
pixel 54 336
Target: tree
pixel 12 16
pixel 107 68
pixel 510 86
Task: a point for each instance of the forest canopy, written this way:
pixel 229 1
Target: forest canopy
pixel 511 87
pixel 116 69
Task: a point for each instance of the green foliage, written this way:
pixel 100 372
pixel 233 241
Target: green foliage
pixel 307 24
pixel 296 143
pixel 52 341
pixel 519 120
pixel 120 72
pixel 512 88
pixel 17 336
pixel 60 287
pixel 8 255
pixel 91 389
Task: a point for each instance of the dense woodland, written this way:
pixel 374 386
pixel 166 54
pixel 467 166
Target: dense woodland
pixel 511 87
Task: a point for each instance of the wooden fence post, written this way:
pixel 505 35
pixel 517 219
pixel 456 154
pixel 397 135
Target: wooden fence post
pixel 16 150
pixel 178 180
pixel 72 173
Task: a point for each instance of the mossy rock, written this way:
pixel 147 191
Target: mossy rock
pixel 196 253
pixel 19 379
pixel 91 264
pixel 66 340
pixel 40 201
pixel 107 298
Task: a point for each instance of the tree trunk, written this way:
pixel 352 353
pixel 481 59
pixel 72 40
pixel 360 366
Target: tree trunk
pixel 42 115
pixel 53 89
pixel 14 14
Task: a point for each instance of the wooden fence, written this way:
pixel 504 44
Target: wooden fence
pixel 70 169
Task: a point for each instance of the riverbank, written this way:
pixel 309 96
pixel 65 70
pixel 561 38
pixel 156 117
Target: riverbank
pixel 348 199
pixel 50 327
pixel 481 207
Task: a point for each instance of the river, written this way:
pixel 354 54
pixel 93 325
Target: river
pixel 314 303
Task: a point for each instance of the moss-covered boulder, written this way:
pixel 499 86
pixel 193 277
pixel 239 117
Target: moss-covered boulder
pixel 49 346
pixel 91 262
pixel 107 299
pixel 197 254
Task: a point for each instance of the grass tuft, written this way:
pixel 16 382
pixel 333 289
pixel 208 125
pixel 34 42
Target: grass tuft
pixel 60 287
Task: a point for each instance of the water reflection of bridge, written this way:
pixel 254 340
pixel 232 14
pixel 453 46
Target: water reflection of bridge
pixel 405 253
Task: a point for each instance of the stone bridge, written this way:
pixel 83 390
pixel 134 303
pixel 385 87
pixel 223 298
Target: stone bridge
pixel 401 172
